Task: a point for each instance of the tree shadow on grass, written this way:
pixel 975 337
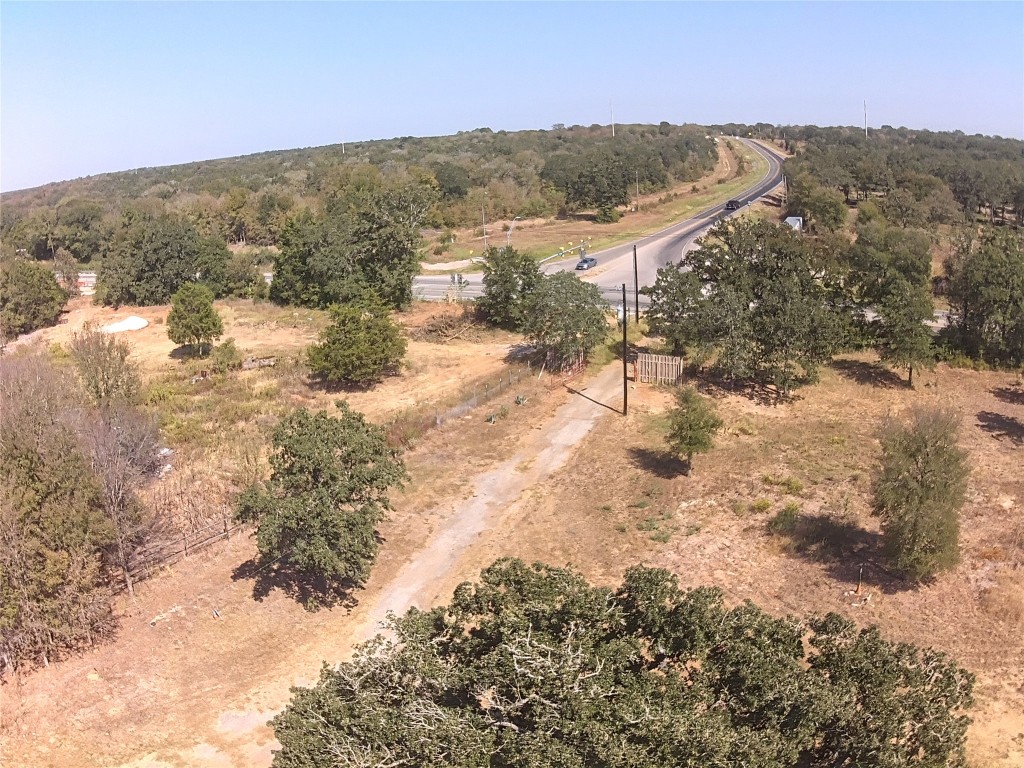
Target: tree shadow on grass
pixel 521 353
pixel 869 374
pixel 849 552
pixel 715 385
pixel 1001 427
pixel 1011 395
pixel 663 464
pixel 190 352
pixel 312 592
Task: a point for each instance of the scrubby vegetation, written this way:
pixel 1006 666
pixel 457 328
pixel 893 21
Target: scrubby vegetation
pixel 250 199
pixel 30 297
pixel 70 515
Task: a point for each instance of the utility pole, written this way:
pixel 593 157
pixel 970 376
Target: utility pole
pixel 611 114
pixel 636 289
pixel 483 216
pixel 625 349
pixel 865 118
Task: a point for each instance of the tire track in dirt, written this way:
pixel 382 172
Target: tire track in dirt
pixel 543 453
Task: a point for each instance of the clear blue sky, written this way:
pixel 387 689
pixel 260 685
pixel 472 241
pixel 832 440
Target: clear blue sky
pixel 92 87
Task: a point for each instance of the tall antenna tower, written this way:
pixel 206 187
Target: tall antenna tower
pixel 865 118
pixel 611 113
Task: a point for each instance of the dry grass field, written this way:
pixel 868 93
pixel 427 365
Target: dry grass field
pixel 202 659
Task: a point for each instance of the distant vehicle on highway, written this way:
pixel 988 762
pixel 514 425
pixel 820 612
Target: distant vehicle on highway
pixel 587 262
pixel 733 205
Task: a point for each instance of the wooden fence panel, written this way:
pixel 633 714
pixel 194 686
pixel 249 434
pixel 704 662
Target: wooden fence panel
pixel 659 369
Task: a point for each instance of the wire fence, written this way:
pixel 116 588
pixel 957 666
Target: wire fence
pixel 145 561
pixel 525 379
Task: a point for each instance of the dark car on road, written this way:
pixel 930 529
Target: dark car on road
pixel 587 262
pixel 732 205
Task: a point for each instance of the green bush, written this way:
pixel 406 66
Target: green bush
pixel 692 425
pixel 920 487
pixel 193 320
pixel 30 297
pixel 226 357
pixel 792 486
pixel 361 345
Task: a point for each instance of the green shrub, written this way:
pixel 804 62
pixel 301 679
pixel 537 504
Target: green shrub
pixel 785 520
pixel 193 320
pixel 920 487
pixel 226 357
pixel 792 486
pixel 692 425
pixel 361 345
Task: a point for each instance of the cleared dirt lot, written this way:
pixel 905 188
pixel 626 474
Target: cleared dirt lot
pixel 192 689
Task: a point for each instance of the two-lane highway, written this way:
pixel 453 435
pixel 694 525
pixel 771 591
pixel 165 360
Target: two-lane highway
pixel 615 265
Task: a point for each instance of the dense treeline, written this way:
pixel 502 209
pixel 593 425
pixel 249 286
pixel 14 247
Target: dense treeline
pixel 74 452
pixel 914 190
pixel 250 199
pixel 929 170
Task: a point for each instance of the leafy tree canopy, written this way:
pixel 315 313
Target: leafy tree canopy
pixel 30 297
pixel 565 319
pixel 328 490
pixel 531 666
pixel 986 293
pixel 369 241
pixel 759 297
pixel 904 339
pixel 152 256
pixel 510 278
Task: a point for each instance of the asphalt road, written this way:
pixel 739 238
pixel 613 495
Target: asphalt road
pixel 615 265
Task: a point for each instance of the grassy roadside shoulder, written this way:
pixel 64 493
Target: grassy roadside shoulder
pixel 673 206
pixel 677 210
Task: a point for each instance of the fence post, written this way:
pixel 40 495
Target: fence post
pixel 227 533
pixel 184 542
